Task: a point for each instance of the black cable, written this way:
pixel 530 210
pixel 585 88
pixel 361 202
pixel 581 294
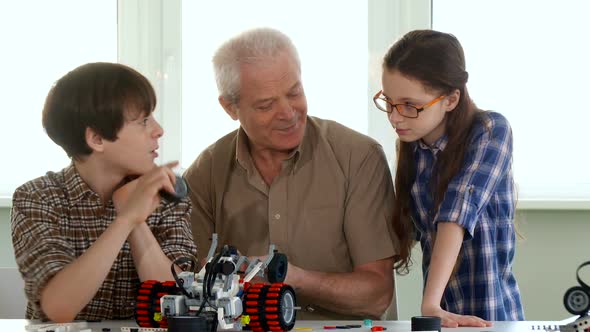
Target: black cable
pixel 215 268
pixel 207 282
pixel 582 283
pixel 210 282
pixel 180 282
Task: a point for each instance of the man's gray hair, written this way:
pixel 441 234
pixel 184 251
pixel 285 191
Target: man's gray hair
pixel 251 46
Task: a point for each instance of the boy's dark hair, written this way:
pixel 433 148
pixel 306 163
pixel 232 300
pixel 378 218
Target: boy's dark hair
pixel 99 96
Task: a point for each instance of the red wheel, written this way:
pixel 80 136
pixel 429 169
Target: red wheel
pixel 270 307
pixel 147 303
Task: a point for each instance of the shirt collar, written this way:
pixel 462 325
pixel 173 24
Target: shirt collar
pixel 244 158
pixel 75 185
pixel 439 145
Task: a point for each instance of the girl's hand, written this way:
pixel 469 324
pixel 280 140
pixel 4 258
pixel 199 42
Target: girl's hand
pixel 450 319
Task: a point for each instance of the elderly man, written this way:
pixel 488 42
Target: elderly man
pixel 321 192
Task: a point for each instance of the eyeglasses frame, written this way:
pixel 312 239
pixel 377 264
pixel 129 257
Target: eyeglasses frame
pixel 418 109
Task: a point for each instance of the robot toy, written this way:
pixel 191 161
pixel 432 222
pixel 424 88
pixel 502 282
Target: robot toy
pixel 577 302
pixel 220 295
pixel 577 299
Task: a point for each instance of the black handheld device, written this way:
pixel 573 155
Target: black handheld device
pixel 180 190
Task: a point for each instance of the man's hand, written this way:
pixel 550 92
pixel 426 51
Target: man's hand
pixel 136 200
pixel 454 320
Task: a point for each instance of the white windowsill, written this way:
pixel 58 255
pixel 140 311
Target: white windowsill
pixel 5 201
pixel 556 204
pixel 523 204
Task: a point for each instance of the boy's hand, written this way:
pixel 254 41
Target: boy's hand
pixel 136 200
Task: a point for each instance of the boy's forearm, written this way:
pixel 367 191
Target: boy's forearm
pixel 150 261
pixel 71 289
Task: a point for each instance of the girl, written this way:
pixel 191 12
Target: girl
pixel 453 182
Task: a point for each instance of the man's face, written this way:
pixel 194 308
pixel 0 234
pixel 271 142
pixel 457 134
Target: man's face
pixel 272 109
pixel 134 151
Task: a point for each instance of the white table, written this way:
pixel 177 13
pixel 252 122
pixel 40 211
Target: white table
pixel 16 325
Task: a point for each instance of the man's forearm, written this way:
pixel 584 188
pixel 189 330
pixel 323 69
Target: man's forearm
pixel 361 292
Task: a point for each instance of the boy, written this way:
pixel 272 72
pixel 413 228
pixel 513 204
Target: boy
pixel 86 236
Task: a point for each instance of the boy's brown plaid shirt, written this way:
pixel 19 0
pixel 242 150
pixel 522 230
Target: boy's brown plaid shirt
pixel 57 217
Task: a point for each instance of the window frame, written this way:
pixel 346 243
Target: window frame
pixel 149 39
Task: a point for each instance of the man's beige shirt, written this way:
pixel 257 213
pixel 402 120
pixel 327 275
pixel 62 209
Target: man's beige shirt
pixel 329 209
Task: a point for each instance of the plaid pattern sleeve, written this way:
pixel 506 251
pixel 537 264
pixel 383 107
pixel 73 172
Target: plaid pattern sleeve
pixel 39 247
pixel 487 161
pixel 173 230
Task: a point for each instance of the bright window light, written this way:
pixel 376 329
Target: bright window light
pixel 528 60
pixel 42 41
pixel 330 35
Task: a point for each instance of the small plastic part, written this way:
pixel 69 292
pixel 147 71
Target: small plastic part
pixel 426 323
pixel 368 323
pixel 378 328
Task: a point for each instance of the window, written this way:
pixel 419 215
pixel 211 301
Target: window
pixel 531 65
pixel 537 86
pixel 332 48
pixel 42 41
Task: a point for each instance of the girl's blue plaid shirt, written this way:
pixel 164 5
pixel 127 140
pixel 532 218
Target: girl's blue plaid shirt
pixel 481 199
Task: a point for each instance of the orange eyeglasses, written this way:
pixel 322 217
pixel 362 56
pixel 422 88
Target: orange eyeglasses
pixel 405 110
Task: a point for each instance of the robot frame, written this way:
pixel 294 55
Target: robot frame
pixel 220 295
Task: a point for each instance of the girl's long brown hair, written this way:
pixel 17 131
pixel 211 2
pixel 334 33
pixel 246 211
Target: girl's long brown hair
pixel 436 60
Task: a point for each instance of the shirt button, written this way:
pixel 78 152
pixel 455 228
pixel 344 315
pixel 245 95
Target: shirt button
pixel 277 216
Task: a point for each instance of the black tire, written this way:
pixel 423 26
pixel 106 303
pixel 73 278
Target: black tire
pixel 277 268
pixel 287 306
pixel 576 301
